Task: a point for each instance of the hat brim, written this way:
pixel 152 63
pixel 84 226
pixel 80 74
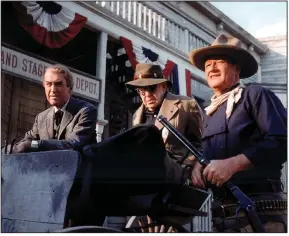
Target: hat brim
pixel 248 64
pixel 146 82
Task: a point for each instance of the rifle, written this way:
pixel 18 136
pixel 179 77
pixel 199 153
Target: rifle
pixel 244 201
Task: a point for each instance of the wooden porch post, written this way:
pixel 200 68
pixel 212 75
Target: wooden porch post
pixel 101 74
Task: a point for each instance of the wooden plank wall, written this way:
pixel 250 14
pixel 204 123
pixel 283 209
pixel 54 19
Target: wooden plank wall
pixel 274 62
pixel 6 96
pixel 32 101
pixel 22 100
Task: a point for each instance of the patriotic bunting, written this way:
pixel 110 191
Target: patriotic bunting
pixel 137 54
pixel 49 23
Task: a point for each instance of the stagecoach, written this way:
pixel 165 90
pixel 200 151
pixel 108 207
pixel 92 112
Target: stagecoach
pixel 129 174
pixel 69 191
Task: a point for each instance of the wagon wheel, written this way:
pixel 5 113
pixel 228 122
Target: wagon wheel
pixel 88 229
pixel 144 224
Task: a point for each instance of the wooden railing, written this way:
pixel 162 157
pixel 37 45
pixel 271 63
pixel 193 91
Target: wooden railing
pixel 158 25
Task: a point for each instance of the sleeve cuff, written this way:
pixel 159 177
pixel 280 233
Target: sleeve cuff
pixel 34 145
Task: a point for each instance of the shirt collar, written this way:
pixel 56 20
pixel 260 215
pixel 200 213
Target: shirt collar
pixel 62 108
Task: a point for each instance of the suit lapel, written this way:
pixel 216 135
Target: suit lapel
pixel 138 115
pixel 49 123
pixel 67 116
pixel 168 109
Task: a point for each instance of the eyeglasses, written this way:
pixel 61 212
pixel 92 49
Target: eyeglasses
pixel 150 89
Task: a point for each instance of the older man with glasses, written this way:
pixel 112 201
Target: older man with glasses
pixel 181 111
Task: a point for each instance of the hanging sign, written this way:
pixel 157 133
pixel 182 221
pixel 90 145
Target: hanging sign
pixel 33 69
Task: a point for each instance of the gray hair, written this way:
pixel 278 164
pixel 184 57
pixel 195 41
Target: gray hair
pixel 61 69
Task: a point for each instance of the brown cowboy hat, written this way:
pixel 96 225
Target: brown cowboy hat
pixel 229 47
pixel 146 75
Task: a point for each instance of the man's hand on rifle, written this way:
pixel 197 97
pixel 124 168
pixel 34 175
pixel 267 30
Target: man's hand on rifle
pixel 220 171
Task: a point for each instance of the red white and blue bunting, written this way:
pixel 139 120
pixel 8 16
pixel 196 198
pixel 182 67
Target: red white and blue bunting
pixel 138 54
pixel 49 23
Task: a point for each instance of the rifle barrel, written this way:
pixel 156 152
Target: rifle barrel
pixel 184 141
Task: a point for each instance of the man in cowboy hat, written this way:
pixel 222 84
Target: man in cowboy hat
pixel 181 111
pixel 245 134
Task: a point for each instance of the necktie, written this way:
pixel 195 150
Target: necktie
pixel 58 117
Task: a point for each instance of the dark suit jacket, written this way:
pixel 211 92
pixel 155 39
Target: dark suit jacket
pixel 185 115
pixel 77 127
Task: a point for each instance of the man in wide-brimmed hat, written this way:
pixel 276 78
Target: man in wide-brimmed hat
pixel 181 111
pixel 245 131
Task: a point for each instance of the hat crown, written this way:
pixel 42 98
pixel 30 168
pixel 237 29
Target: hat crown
pixel 143 71
pixel 147 75
pixel 224 39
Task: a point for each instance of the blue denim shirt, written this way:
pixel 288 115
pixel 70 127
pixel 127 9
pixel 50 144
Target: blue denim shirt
pixel 257 128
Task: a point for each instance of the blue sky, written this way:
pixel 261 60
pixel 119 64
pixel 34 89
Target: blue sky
pixel 261 19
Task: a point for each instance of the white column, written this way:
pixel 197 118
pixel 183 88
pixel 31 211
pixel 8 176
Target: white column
pixel 99 129
pixel 101 74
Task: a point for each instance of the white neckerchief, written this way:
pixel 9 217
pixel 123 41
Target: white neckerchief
pixel 232 96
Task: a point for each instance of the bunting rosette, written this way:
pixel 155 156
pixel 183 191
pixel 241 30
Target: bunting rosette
pixel 49 23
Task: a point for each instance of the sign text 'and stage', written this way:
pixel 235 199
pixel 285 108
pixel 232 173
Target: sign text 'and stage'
pixel 32 68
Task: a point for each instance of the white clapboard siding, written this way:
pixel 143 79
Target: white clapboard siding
pixel 274 62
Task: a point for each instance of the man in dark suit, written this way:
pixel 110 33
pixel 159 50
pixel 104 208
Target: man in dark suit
pixel 69 124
